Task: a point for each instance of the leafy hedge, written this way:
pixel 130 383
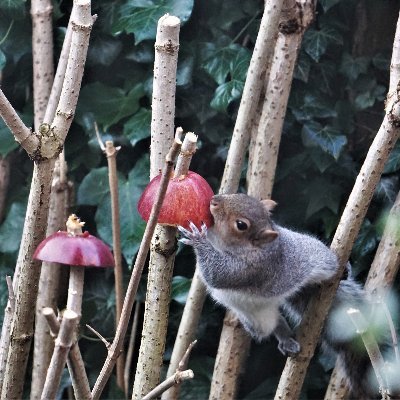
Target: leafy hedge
pixel 335 108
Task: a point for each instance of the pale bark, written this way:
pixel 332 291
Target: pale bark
pixel 263 159
pixel 164 87
pixel 295 19
pixel 42 54
pixel 158 297
pixel 308 333
pixel 48 287
pixel 75 289
pixel 43 148
pixel 117 344
pixel 381 275
pixel 75 362
pixel 163 245
pixel 260 59
pixel 61 349
pixel 111 153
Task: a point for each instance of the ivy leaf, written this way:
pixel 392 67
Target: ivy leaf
pixel 326 138
pixel 104 51
pixel 138 126
pixel 180 288
pixel 325 195
pixel 316 42
pixel 387 188
pixel 226 93
pixel 141 16
pixel 108 104
pixel 381 61
pixel 303 67
pixel 94 187
pixel 11 229
pixel 393 162
pixel 353 67
pixel 366 240
pixel 218 61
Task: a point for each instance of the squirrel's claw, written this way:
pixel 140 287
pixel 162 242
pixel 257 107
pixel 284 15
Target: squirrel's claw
pixel 192 235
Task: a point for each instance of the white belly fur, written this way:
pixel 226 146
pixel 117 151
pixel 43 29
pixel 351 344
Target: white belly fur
pixel 262 313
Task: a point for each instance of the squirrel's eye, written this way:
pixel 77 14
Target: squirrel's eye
pixel 241 225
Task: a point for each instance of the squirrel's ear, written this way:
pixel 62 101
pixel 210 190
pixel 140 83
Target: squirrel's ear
pixel 269 204
pixel 266 236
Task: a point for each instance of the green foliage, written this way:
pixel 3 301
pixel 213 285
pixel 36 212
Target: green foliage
pixel 335 108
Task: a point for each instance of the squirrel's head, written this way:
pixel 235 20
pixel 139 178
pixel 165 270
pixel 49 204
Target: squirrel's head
pixel 241 220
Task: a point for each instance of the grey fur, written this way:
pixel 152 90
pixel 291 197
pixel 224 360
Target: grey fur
pixel 256 273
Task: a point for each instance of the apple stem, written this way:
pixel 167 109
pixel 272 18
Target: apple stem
pixel 75 288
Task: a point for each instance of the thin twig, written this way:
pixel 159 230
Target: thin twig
pixel 392 330
pixel 131 347
pixel 100 141
pixel 371 346
pixel 102 338
pixel 179 376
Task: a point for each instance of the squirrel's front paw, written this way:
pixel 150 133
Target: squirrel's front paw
pixel 289 347
pixel 194 235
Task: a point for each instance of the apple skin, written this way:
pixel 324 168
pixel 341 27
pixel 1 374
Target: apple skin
pixel 187 199
pixel 84 250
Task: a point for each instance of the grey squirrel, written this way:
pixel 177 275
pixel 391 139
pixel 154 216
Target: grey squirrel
pixel 258 269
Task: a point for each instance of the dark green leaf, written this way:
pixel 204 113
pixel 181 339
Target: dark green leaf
pixel 327 138
pixel 303 67
pixel 180 288
pixel 7 141
pixel 104 51
pixel 108 104
pixel 324 195
pixel 141 17
pixel 352 67
pixel 11 229
pixel 393 162
pixel 226 93
pixel 316 42
pixel 366 240
pixel 138 126
pixel 367 99
pixel 217 61
pixel 387 188
pixel 94 187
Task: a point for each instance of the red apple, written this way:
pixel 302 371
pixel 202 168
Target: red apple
pixel 187 199
pixel 84 250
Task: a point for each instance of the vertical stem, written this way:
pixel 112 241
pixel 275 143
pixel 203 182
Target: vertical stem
pixel 75 289
pixel 4 181
pixel 48 288
pixel 42 53
pixel 27 277
pixel 63 344
pixel 111 152
pixel 162 254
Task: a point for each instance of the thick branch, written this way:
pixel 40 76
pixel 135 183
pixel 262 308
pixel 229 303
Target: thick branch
pixel 42 54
